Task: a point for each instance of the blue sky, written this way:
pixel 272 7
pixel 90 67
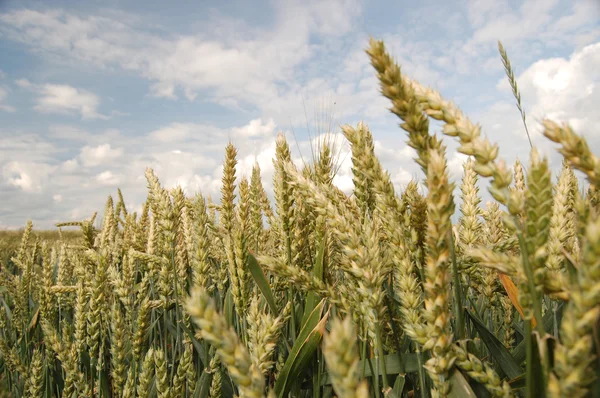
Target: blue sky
pixel 91 93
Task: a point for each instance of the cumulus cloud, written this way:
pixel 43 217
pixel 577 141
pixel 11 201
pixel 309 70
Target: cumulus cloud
pixel 27 176
pixel 108 178
pixel 256 128
pixel 99 155
pixel 65 99
pixel 184 167
pixel 191 155
pixel 566 89
pixel 455 166
pixel 562 89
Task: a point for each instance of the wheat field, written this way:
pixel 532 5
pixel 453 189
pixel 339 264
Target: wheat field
pixel 321 294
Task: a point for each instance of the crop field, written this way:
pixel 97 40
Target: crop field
pixel 317 293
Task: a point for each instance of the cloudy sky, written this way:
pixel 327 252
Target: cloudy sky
pixel 91 93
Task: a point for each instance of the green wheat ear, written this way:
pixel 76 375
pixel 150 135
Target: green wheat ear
pixel 513 84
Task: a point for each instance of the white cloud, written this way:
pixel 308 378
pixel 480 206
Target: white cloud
pixel 502 20
pixel 28 176
pixel 566 89
pixel 62 98
pixel 70 133
pixel 18 178
pixel 108 178
pixel 401 178
pixel 256 128
pixel 455 166
pixel 210 139
pixel 562 89
pixel 530 30
pixel 226 60
pixel 233 70
pixel 175 164
pixel 344 183
pixel 264 158
pixel 177 132
pixel 65 99
pixel 69 166
pixel 99 155
pixel 23 146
